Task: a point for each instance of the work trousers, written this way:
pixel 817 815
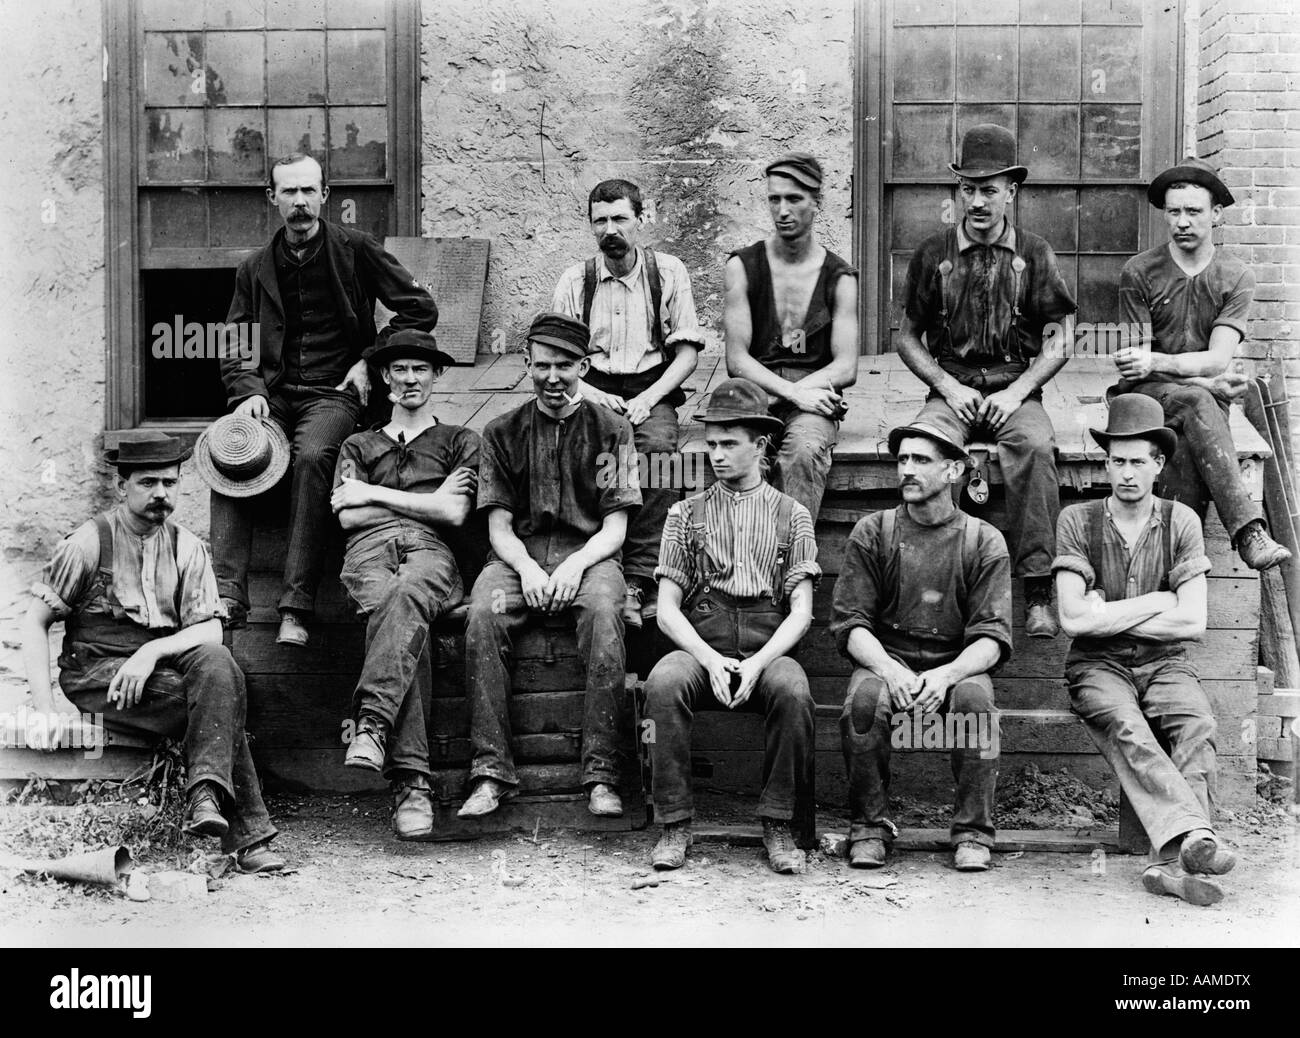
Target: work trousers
pixel 803 456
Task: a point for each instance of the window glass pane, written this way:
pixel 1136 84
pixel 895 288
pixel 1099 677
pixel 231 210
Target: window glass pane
pixel 969 11
pixel 1112 64
pixel 974 115
pixel 1049 140
pixel 295 67
pixel 238 219
pixel 173 67
pixel 177 386
pixel 235 68
pixel 233 14
pixel 918 213
pixel 349 14
pixel 1070 272
pixel 986 63
pixel 174 144
pixel 1045 12
pixel 356 67
pixel 1129 11
pixel 358 143
pixel 1099 287
pixel 1110 219
pixel 176 219
pixel 172 14
pixel 1049 59
pixel 922 140
pixel 923 65
pixel 1048 212
pixel 297 130
pixel 1112 144
pixel 293 14
pixel 236 144
pixel 366 209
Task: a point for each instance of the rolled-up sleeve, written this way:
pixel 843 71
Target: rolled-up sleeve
pixel 856 594
pixel 1235 312
pixel 988 598
pixel 495 485
pixel 1187 547
pixel 682 326
pixel 1072 544
pixel 675 561
pixel 802 562
pixel 199 598
pixel 624 492
pixel 68 575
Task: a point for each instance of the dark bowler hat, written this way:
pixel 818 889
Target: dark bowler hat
pixel 1195 171
pixel 239 455
pixel 1135 416
pixel 986 151
pixel 800 167
pixel 738 401
pixel 146 447
pixel 952 450
pixel 564 333
pixel 407 344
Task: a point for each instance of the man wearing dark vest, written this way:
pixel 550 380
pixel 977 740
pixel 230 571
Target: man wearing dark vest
pixel 1190 302
pixel 791 324
pixel 922 608
pixel 736 571
pixel 142 645
pixel 1130 582
pixel 311 296
pixel 986 295
pixel 645 342
pixel 401 491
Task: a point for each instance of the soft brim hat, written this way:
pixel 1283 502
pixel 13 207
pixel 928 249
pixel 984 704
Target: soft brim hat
pixel 952 450
pixel 738 401
pixel 407 344
pixel 800 167
pixel 144 447
pixel 561 331
pixel 240 455
pixel 1134 416
pixel 1194 171
pixel 988 150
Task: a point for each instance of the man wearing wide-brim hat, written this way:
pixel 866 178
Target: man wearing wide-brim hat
pixel 1187 305
pixel 401 491
pixel 142 644
pixel 1130 580
pixel 737 565
pixel 922 610
pixel 987 322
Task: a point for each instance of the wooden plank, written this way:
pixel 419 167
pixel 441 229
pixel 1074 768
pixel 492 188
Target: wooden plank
pixel 1280 703
pixel 496 405
pixel 72 765
pixel 454 270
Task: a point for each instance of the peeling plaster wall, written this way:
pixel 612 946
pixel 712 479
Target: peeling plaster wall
pixel 526 106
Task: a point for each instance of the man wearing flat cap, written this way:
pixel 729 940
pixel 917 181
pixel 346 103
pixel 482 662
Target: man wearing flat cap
pixel 791 323
pixel 645 342
pixel 922 609
pixel 401 489
pixel 1191 301
pixel 142 645
pixel 1130 581
pixel 556 534
pixel 737 566
pixel 981 294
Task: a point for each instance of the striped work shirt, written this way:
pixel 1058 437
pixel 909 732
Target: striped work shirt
pixel 740 537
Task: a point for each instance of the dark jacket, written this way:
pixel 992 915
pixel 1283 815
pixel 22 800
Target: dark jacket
pixel 360 272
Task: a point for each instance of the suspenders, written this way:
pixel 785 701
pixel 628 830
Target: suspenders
pixel 970 540
pixel 1096 526
pixel 1018 266
pixel 656 294
pixel 105 532
pixel 697 544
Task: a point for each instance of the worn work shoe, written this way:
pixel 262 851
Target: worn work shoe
pixel 292 630
pixel 649 603
pixel 1257 549
pixel 368 747
pixel 1171 880
pixel 236 615
pixel 670 851
pixel 1040 617
pixel 868 854
pixel 1202 853
pixel 632 607
pixel 782 854
pixel 412 808
pixel 485 799
pixel 258 858
pixel 603 800
pixel 971 857
pixel 203 815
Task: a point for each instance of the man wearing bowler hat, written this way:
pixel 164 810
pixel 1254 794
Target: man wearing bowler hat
pixel 142 644
pixel 556 532
pixel 737 565
pixel 922 609
pixel 1191 302
pixel 982 294
pixel 1130 582
pixel 398 490
pixel 791 323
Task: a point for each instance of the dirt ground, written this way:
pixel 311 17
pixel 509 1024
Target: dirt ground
pixel 353 883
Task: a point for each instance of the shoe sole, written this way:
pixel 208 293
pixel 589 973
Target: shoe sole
pixel 483 814
pixel 274 867
pixel 785 868
pixel 605 813
pixel 972 868
pixel 418 834
pixel 1194 889
pixel 363 763
pixel 866 864
pixel 297 643
pixel 211 827
pixel 1202 861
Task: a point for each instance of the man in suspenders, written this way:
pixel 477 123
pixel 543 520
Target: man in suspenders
pixel 922 608
pixel 997 318
pixel 645 342
pixel 736 572
pixel 1130 581
pixel 142 646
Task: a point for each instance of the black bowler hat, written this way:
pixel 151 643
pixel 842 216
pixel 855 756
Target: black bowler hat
pixel 1192 170
pixel 738 401
pixel 1136 416
pixel 952 450
pixel 407 344
pixel 562 332
pixel 800 167
pixel 988 150
pixel 141 448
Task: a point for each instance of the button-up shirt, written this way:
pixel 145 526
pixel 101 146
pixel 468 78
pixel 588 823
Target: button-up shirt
pixel 315 352
pixel 621 320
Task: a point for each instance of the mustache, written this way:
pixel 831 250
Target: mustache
pixel 613 242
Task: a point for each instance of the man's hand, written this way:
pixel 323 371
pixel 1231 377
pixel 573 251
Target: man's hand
pixel 358 376
pixel 963 399
pixel 255 406
pixel 638 408
pixel 351 493
pixel 1230 386
pixel 998 407
pixel 127 686
pixel 55 706
pixel 1134 363
pixel 932 689
pixel 749 672
pixel 902 684
pixel 598 396
pixel 820 400
pixel 533 580
pixel 562 588
pixel 462 482
pixel 719 669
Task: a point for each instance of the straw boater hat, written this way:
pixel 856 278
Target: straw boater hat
pixel 1194 171
pixel 738 401
pixel 952 450
pixel 986 151
pixel 240 456
pixel 142 448
pixel 1136 416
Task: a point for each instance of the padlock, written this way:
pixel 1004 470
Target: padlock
pixel 977 487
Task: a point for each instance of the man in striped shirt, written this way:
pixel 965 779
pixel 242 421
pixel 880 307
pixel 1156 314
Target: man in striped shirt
pixel 736 571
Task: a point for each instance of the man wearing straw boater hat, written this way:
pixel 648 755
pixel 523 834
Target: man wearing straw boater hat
pixel 142 645
pixel 1191 303
pixel 1130 582
pixel 981 294
pixel 398 489
pixel 737 565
